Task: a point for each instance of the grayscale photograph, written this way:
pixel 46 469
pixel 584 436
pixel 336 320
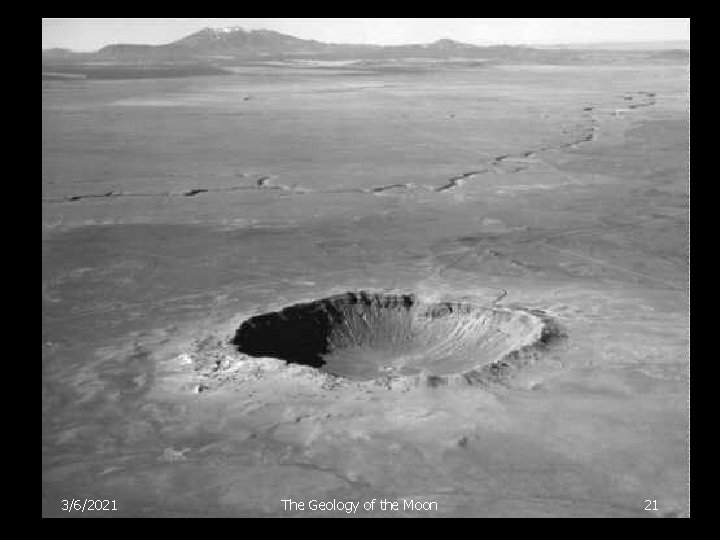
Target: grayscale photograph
pixel 366 267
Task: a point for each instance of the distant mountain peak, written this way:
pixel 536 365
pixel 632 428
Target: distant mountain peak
pixel 228 29
pixel 234 29
pixel 447 43
pixel 237 38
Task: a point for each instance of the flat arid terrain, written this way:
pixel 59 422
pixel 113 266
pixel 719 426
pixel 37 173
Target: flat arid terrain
pixel 458 287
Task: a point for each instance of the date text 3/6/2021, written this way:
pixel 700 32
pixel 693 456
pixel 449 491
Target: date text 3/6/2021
pixel 88 505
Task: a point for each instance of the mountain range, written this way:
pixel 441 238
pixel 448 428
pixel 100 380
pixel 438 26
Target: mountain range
pixel 236 42
pixel 211 50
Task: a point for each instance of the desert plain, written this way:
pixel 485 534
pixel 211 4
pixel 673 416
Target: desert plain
pixel 174 210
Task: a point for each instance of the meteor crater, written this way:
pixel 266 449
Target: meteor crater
pixel 364 335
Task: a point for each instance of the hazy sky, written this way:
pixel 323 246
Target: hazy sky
pixel 92 34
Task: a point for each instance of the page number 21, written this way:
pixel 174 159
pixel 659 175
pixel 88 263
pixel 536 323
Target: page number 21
pixel 651 505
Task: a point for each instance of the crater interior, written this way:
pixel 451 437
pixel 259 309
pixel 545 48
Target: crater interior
pixel 366 335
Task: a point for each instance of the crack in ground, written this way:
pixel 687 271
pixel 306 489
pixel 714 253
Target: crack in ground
pixel 497 165
pixel 458 180
pixel 261 185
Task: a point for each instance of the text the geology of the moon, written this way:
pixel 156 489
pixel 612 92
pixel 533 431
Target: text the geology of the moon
pixel 352 507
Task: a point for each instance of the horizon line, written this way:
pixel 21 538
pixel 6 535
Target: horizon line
pixel 476 44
